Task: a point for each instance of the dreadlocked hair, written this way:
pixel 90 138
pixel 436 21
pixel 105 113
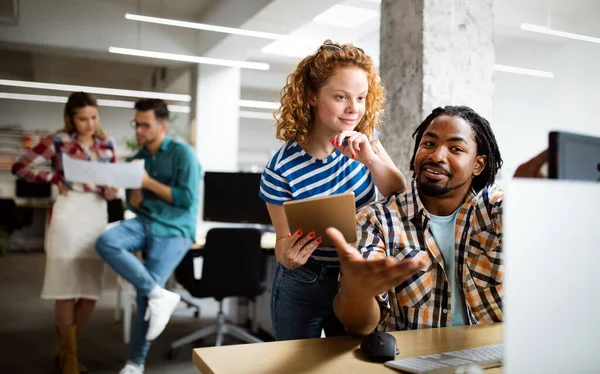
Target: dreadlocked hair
pixel 484 137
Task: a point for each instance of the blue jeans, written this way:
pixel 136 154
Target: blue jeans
pixel 302 303
pixel 163 254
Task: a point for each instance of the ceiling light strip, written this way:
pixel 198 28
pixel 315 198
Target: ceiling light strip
pixel 256 115
pixel 29 97
pixel 259 104
pixel 563 34
pixel 101 102
pixel 95 90
pixel 523 71
pixel 130 104
pixel 203 26
pixel 187 58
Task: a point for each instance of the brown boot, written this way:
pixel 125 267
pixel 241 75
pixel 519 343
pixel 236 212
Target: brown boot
pixel 58 351
pixel 68 363
pixel 58 357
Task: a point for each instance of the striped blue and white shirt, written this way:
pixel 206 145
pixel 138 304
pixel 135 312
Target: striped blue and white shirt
pixel 292 174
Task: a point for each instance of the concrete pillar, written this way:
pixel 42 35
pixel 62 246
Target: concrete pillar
pixel 433 53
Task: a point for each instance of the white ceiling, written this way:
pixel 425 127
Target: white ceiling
pixel 194 8
pixel 105 24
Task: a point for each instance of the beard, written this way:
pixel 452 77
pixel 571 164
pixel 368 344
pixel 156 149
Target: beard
pixel 434 190
pixel 429 189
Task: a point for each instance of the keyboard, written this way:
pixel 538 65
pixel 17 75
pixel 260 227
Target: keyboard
pixel 452 362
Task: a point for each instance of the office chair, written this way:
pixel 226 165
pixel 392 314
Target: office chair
pixel 234 265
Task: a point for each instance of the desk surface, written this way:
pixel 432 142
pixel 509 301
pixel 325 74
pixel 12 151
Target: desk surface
pixel 267 241
pixel 339 355
pixel 35 204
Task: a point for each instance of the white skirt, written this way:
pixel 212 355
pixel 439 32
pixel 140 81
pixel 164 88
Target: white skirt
pixel 73 268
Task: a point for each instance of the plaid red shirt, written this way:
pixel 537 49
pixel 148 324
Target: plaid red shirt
pixel 51 149
pixel 399 227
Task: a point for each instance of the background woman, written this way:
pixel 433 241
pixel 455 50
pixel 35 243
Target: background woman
pixel 74 272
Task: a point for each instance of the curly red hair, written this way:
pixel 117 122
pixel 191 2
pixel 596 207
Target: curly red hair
pixel 295 115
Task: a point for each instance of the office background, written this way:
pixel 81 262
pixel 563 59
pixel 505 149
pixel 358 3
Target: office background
pixel 68 41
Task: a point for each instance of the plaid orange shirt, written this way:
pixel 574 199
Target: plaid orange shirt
pixel 399 226
pixel 51 149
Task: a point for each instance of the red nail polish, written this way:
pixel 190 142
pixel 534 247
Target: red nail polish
pixel 319 240
pixel 353 155
pixel 299 232
pixel 312 234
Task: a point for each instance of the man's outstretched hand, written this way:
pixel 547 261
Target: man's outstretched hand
pixel 369 278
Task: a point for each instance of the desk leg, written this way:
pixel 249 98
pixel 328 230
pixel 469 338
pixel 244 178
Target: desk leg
pixel 252 311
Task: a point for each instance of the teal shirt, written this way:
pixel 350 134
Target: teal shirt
pixel 175 164
pixel 443 229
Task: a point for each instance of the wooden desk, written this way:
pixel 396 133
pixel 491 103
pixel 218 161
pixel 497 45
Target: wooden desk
pixel 35 204
pixel 339 355
pixel 267 241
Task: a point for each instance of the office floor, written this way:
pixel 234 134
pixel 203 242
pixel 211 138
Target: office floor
pixel 27 334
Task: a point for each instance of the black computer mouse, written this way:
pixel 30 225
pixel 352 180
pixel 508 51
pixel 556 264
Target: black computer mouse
pixel 379 347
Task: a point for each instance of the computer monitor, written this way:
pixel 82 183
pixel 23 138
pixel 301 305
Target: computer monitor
pixel 233 198
pixel 573 156
pixel 25 189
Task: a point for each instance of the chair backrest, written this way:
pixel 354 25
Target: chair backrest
pixel 234 265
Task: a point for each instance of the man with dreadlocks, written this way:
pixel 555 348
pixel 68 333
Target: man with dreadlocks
pixel 430 256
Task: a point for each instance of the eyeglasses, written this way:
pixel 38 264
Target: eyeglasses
pixel 144 126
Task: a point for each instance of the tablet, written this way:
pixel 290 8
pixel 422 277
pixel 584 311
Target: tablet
pixel 318 213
